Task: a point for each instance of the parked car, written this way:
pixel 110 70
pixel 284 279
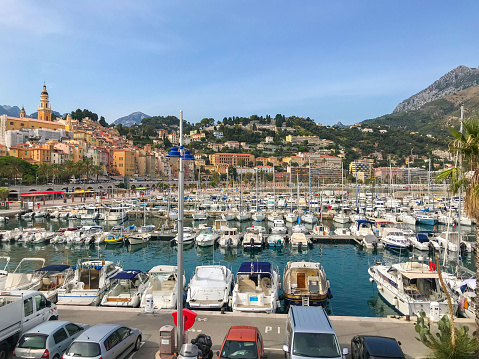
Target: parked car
pixel 242 342
pixel 374 347
pixel 48 340
pixel 105 341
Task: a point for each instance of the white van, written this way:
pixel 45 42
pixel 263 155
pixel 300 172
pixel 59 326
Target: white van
pixel 309 334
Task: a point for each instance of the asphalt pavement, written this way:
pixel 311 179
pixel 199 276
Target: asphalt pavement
pixel 272 327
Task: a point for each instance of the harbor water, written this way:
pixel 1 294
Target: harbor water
pixel 346 265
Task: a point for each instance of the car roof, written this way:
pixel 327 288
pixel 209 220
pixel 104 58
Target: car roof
pixel 97 332
pixel 383 346
pixel 48 327
pixel 242 333
pixel 310 320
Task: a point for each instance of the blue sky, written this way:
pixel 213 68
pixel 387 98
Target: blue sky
pixel 330 60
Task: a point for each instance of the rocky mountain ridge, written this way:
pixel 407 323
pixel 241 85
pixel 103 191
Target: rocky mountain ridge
pixel 460 78
pixel 132 119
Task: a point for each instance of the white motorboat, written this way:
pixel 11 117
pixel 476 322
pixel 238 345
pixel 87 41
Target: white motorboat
pixel 465 293
pixel 21 280
pixel 138 238
pixel 55 277
pixel 173 214
pixel 447 239
pixel 362 228
pixel 188 236
pixel 243 216
pixel 229 215
pixel 258 216
pixel 341 218
pixel 209 287
pixel 279 227
pixel 206 237
pixel 253 238
pixel 308 217
pixel 345 232
pixel 299 228
pixel 256 288
pixel 406 218
pixel 299 241
pixel 305 284
pixel 229 238
pixel 411 287
pixel 91 282
pixel 126 290
pixel 427 219
pixel 421 242
pixel 393 238
pixel 291 217
pixel 162 286
pixel 275 241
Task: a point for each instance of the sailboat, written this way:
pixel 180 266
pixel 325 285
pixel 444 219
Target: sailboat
pixel 292 216
pixel 258 216
pixel 199 215
pixel 309 217
pixel 243 214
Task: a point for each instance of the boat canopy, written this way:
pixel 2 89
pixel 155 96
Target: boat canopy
pixel 255 267
pixel 54 268
pixel 127 274
pixel 420 275
pixel 471 283
pixel 422 238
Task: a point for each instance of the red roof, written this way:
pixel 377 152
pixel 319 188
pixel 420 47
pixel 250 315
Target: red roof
pixel 39 193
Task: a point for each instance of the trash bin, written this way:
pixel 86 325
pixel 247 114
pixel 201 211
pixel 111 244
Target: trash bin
pixel 167 339
pixel 149 306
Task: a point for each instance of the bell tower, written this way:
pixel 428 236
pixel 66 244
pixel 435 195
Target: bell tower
pixel 44 110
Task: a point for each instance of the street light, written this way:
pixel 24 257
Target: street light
pixel 180 154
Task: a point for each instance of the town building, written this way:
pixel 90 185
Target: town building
pixel 232 159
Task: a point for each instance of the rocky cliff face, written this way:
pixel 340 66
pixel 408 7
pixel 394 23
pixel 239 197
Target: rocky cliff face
pixel 132 119
pixel 462 77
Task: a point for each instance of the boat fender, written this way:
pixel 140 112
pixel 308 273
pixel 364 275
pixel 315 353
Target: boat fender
pixel 251 242
pixel 380 287
pixel 396 301
pixel 432 266
pixel 371 280
pixel 461 304
pixel 330 295
pixel 466 303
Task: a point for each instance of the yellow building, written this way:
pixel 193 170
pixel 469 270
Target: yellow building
pixel 124 162
pixel 44 120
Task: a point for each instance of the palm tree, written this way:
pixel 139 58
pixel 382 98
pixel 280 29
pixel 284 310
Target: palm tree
pixel 70 168
pixel 466 145
pixel 44 170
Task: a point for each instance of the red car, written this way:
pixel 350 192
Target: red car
pixel 242 342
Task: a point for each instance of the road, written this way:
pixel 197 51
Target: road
pixel 271 326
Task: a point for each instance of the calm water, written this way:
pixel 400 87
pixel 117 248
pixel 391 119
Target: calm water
pixel 345 264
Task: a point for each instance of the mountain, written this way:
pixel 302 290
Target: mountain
pixel 13 111
pixel 434 117
pixel 132 119
pixel 461 78
pixel 339 125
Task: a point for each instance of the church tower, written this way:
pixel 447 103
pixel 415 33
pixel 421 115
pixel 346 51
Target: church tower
pixel 44 111
pixel 68 123
pixel 23 114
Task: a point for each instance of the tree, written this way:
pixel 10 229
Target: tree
pixel 103 122
pixel 4 191
pixel 466 146
pixel 149 130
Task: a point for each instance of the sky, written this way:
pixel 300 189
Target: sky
pixel 337 60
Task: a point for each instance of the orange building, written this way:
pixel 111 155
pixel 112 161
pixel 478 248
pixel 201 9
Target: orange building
pixel 232 159
pixel 124 162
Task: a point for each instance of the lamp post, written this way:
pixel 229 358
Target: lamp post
pixel 181 155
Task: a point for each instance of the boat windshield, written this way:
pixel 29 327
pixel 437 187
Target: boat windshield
pixel 316 345
pixel 233 349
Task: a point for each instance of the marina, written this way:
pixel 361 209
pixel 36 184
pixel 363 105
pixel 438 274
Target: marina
pixel 344 258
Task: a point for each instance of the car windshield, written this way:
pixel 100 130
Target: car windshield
pixel 84 349
pixel 33 341
pixel 316 345
pixel 233 349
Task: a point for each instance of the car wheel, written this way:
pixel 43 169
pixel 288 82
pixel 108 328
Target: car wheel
pixel 3 351
pixel 56 357
pixel 137 343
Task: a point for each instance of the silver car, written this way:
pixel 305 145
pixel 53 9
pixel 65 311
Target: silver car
pixel 48 340
pixel 105 341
